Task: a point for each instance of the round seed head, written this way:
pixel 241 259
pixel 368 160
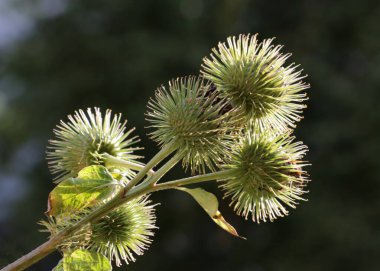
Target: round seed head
pixel 79 239
pixel 267 176
pixel 124 232
pixel 253 77
pixel 191 116
pixel 82 140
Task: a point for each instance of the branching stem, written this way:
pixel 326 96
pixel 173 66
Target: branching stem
pixel 194 179
pixel 130 192
pixel 164 169
pixel 161 155
pixel 112 161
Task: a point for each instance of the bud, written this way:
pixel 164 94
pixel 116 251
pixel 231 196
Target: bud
pixel 190 116
pixel 253 77
pixel 267 175
pixel 125 231
pixel 84 138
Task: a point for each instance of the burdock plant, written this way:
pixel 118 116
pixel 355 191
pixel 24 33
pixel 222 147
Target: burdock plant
pixel 232 124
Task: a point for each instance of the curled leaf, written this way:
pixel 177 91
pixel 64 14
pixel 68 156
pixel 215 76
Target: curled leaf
pixel 210 204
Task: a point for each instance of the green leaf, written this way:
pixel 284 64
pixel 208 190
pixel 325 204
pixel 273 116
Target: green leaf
pixel 95 173
pixel 81 259
pixel 210 204
pixel 93 184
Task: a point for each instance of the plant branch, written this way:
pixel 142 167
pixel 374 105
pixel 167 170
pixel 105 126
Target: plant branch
pixel 161 155
pixel 111 160
pixel 164 169
pixel 32 257
pixel 194 179
pixel 146 187
pixel 126 194
pixel 50 245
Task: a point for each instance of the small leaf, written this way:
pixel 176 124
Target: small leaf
pixel 93 184
pixel 81 259
pixel 210 204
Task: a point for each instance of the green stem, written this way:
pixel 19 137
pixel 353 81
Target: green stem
pixel 125 195
pixel 32 257
pixel 50 245
pixel 194 179
pixel 161 155
pixel 111 160
pixel 128 193
pixel 164 169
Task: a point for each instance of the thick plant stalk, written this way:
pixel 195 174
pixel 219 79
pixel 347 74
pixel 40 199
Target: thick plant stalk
pixel 34 256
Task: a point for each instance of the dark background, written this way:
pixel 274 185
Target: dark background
pixel 57 56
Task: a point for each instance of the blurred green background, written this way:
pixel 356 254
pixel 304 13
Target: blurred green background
pixel 57 56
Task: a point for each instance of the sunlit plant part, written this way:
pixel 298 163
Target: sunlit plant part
pixel 255 78
pixel 189 116
pixel 54 225
pixel 121 235
pixel 233 125
pixel 267 176
pixel 83 140
pixel 124 232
